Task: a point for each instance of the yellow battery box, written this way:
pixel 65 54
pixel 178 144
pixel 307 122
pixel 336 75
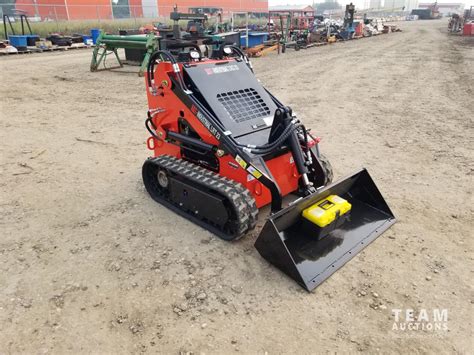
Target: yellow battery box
pixel 327 214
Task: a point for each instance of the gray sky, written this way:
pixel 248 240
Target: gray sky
pixel 358 3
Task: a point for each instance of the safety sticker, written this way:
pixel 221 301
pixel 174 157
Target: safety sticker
pixel 254 171
pixel 241 162
pixel 221 69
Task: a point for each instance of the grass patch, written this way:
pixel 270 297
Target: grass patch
pixel 43 29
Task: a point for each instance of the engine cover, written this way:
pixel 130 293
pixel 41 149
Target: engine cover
pixel 234 95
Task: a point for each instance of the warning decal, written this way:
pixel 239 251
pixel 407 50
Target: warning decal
pixel 254 171
pixel 241 162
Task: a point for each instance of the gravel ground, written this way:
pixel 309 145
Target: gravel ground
pixel 89 263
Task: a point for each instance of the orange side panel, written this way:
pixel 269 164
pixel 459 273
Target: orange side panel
pixel 170 107
pixel 173 108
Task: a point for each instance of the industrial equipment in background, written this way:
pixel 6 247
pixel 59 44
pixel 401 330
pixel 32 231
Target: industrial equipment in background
pixel 197 23
pixel 302 29
pixel 110 44
pixel 139 46
pixel 198 30
pixel 253 38
pixel 348 26
pixel 429 13
pixel 224 147
pixel 289 36
pixel 28 42
pixel 206 10
pixel 19 41
pixel 462 23
pixel 468 22
pixel 292 24
pixel 455 23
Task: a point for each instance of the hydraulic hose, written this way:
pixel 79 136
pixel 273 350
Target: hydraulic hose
pixel 270 147
pixel 151 67
pixel 287 129
pixel 150 127
pixel 241 53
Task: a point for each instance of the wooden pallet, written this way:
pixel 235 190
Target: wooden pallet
pixel 316 44
pixel 78 46
pixel 32 49
pixel 54 48
pixel 47 49
pixel 64 48
pixel 10 53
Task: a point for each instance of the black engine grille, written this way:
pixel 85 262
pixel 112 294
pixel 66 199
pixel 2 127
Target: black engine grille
pixel 244 105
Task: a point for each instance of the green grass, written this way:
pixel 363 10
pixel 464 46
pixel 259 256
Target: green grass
pixel 43 29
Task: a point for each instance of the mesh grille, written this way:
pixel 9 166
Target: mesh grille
pixel 243 105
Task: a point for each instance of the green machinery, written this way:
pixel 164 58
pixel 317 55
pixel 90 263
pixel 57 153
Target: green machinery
pixel 109 44
pixel 291 37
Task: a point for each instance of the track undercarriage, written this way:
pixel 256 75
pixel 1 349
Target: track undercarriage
pixel 214 202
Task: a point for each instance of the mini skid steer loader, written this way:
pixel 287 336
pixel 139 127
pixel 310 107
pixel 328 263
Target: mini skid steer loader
pixel 224 147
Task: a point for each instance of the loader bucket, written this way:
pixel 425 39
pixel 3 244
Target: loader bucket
pixel 310 261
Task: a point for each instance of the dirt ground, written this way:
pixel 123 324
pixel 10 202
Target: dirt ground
pixel 89 263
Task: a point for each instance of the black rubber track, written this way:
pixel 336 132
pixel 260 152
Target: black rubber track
pixel 240 203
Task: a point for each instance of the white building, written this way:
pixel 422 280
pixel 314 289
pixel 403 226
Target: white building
pixel 398 5
pixel 445 9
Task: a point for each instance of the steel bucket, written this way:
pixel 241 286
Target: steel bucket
pixel 310 261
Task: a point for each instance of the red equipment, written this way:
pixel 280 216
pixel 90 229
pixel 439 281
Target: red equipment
pixel 223 146
pixel 298 19
pixel 468 29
